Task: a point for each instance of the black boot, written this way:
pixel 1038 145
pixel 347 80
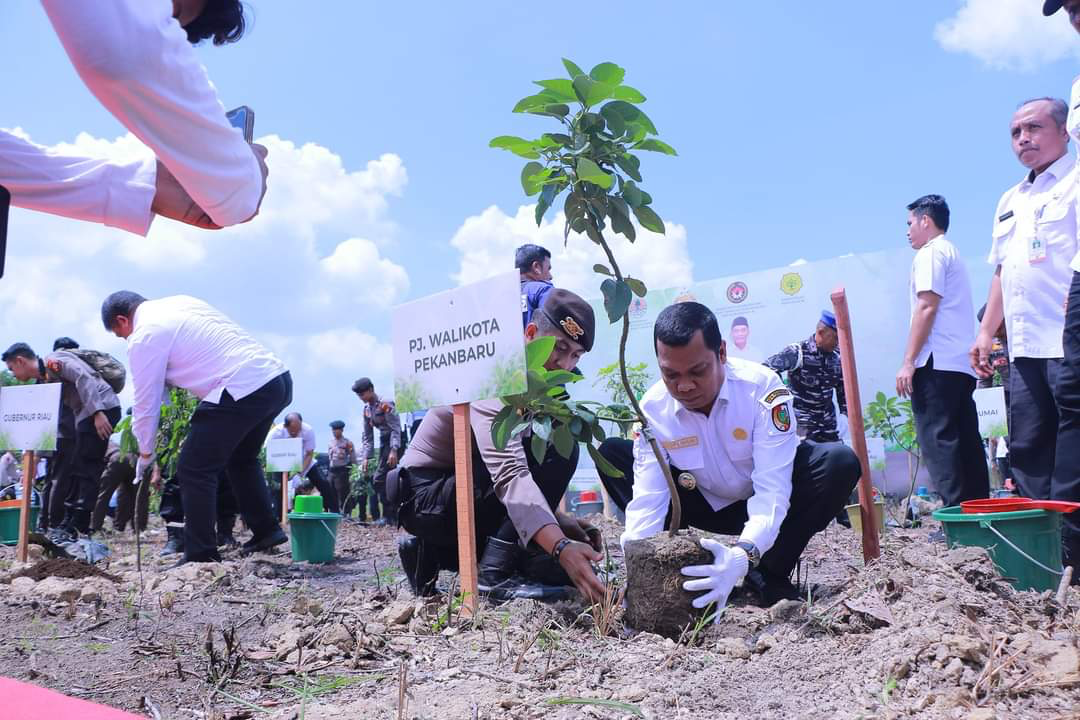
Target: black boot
pixel 225 537
pixel 420 564
pixel 767 589
pixel 175 543
pixel 498 578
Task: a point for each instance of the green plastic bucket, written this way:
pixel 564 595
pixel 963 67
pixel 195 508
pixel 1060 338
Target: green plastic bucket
pixel 9 523
pixel 313 536
pixel 1025 545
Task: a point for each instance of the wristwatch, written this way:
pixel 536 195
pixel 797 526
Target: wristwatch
pixel 752 553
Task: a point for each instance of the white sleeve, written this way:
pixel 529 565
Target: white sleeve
pixel 774 459
pixel 647 510
pixel 148 359
pixel 84 188
pixel 136 60
pixel 929 271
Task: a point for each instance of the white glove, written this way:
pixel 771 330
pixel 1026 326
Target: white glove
pixel 719 578
pixel 143 465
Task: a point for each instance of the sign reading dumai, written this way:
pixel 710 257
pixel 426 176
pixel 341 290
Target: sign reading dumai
pixel 28 417
pixel 285 455
pixel 990 404
pixel 460 345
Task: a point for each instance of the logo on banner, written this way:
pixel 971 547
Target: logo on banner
pixel 791 283
pixel 737 292
pixel 638 309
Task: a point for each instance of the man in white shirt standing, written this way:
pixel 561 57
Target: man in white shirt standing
pixel 295 427
pixel 183 342
pixel 135 56
pixel 728 431
pixel 936 374
pixel 1034 241
pixel 1065 484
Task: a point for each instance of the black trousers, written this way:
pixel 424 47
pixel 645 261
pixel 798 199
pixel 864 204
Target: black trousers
pixel 228 436
pixel 58 483
pixel 339 478
pixel 947 426
pixel 85 472
pixel 1033 424
pixel 1065 484
pixel 379 483
pixel 171 508
pixel 117 478
pixel 315 476
pixel 427 501
pixel 822 478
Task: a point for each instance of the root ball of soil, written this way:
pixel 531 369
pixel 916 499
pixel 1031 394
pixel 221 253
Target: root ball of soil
pixel 64 568
pixel 655 599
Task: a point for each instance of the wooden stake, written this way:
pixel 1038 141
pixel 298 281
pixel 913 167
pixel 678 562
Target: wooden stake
pixel 466 515
pixel 871 549
pixel 22 551
pixel 284 500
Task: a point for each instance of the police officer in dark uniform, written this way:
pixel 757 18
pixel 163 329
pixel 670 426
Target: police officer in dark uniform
pixel 813 372
pixel 342 456
pixel 380 415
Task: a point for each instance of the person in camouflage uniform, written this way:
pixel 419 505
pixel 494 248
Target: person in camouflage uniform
pixel 381 415
pixel 813 371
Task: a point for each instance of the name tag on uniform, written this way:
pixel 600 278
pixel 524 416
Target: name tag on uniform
pixel 1006 216
pixel 681 443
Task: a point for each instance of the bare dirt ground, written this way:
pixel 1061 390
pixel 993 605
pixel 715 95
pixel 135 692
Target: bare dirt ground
pixel 923 633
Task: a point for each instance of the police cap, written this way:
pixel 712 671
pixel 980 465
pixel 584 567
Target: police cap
pixel 337 425
pixel 568 312
pixel 828 319
pixel 362 385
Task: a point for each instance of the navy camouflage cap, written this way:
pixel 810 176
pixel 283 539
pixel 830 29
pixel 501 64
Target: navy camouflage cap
pixel 828 319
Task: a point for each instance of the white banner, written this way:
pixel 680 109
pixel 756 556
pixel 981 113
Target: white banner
pixel 29 416
pixel 285 455
pixel 990 404
pixel 460 345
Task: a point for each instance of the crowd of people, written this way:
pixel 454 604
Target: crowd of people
pixel 753 457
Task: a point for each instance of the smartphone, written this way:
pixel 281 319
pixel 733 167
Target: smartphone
pixel 243 117
pixel 5 202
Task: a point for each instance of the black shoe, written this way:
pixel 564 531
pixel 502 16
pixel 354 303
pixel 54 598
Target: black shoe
pixel 62 535
pixel 843 519
pixel 204 558
pixel 175 543
pixel 420 565
pixel 254 545
pixel 766 589
pixel 225 537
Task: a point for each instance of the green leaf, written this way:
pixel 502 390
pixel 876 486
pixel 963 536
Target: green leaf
pixel 574 209
pixel 577 426
pixel 656 146
pixel 542 427
pixel 564 440
pixel 620 218
pixel 589 171
pixel 560 89
pixel 572 69
pixel 614 120
pixel 631 114
pixel 559 139
pixel 589 92
pixel 518 146
pixel 629 165
pixel 602 464
pixel 547 196
pixel 617 297
pixel 649 219
pixel 558 378
pixel 555 111
pixel 637 286
pixel 538 351
pixel 529 180
pixel 539 448
pixel 632 194
pixel 501 426
pixel 591 122
pixel 527 103
pixel 628 94
pixel 607 72
pixel 603 270
pixel 598 432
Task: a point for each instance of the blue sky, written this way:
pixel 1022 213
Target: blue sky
pixel 802 130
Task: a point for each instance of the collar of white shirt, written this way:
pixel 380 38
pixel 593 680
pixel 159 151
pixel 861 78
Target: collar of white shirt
pixel 1057 170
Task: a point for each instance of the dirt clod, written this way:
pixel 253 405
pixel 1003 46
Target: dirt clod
pixel 655 599
pixel 64 568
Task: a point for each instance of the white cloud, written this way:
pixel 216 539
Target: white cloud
pixel 1008 34
pixel 305 276
pixel 487 242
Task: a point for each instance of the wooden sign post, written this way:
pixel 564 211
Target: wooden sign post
pixel 871 549
pixel 455 348
pixel 286 456
pixel 28 422
pixel 22 551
